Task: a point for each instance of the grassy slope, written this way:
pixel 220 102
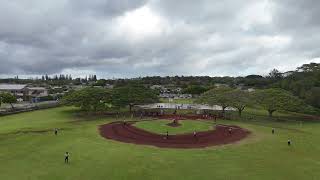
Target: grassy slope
pixel 161 127
pixel 40 155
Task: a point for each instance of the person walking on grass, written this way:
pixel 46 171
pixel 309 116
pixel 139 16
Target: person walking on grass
pixel 167 136
pixel 272 130
pixel 55 131
pixel 66 157
pixel 289 142
pixel 230 130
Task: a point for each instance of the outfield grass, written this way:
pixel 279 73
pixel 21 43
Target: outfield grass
pixel 29 150
pixel 187 126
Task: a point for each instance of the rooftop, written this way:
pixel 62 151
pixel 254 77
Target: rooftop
pixel 36 88
pixel 12 86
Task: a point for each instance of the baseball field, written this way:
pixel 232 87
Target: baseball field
pixel 29 149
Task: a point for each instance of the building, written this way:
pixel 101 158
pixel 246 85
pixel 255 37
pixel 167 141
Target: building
pixel 109 86
pixel 251 90
pixel 18 90
pixel 154 87
pixel 218 85
pixel 175 96
pixel 36 92
pixel 22 91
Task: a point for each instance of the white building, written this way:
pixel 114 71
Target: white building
pixel 18 90
pixel 22 91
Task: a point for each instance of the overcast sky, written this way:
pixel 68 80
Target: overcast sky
pixel 131 38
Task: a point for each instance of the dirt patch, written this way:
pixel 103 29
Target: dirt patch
pixel 35 131
pixel 130 134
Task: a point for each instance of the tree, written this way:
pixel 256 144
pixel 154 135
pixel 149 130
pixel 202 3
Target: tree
pixel 77 81
pixel 239 99
pixel 8 98
pixel 301 81
pixel 101 82
pixel 309 67
pixel 254 81
pixel 275 75
pixel 89 99
pixel 313 97
pixel 277 99
pixel 195 89
pixel 94 77
pixel 254 76
pixel 217 96
pixel 133 94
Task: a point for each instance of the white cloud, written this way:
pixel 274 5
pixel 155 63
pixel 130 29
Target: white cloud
pixel 128 38
pixel 276 42
pixel 140 24
pixel 257 13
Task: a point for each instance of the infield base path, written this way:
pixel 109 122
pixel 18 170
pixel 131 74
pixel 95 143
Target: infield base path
pixel 130 134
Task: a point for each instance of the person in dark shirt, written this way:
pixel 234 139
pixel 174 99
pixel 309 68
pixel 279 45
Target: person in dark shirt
pixel 66 157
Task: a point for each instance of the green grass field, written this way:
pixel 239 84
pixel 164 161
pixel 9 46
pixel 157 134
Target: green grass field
pixel 187 126
pixel 29 150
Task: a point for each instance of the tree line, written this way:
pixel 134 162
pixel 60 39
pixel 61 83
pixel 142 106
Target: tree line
pixel 99 99
pixel 271 100
pixel 95 99
pixel 303 82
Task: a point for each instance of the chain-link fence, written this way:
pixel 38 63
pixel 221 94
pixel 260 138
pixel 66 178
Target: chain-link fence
pixel 7 109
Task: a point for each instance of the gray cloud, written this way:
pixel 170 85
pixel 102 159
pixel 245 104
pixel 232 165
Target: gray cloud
pixel 129 38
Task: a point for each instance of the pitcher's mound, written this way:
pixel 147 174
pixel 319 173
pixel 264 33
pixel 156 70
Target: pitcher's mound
pixel 174 123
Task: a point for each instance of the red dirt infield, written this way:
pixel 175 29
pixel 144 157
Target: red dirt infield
pixel 126 132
